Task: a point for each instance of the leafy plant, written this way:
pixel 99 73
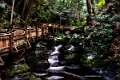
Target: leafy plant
pixel 101 3
pixel 100 35
pixel 72 22
pixel 24 43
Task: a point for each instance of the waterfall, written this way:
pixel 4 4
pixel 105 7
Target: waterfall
pixel 53 59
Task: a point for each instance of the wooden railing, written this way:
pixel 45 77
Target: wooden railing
pixel 17 40
pixel 20 39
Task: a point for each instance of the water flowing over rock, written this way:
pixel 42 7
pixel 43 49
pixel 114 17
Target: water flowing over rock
pixel 53 59
pixel 54 78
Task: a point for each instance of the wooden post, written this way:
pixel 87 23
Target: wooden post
pixel 26 37
pixel 13 3
pixel 29 36
pixel 29 33
pixel 11 41
pixel 36 32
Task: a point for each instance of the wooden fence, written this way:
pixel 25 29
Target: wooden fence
pixel 20 39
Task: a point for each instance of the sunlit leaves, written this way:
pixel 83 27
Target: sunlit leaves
pixel 101 3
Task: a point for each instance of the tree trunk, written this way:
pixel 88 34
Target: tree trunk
pixel 89 9
pixel 26 8
pixel 13 3
pixel 117 3
pixel 93 7
pixel 88 3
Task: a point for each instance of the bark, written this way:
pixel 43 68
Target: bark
pixel 89 9
pixel 26 8
pixel 117 3
pixel 13 2
pixel 93 6
pixel 88 3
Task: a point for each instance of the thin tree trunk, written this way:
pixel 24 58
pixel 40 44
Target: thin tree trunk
pixel 89 9
pixel 88 2
pixel 60 23
pixel 93 7
pixel 24 7
pixel 13 3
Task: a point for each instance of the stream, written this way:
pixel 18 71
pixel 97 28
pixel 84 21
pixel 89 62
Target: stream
pixel 46 64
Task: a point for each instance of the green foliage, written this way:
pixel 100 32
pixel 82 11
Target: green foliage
pixel 24 43
pixel 4 16
pixel 72 22
pixel 101 3
pixel 2 5
pixel 95 62
pixel 19 68
pixel 75 38
pixel 57 34
pixel 42 14
pixel 100 36
pixel 32 77
pixel 56 10
pixel 77 23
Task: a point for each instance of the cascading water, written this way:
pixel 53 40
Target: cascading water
pixel 53 59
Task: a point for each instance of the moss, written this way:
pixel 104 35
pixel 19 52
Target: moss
pixel 32 77
pixel 17 69
pixel 24 43
pixel 95 62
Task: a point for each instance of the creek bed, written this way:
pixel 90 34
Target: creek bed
pixel 76 74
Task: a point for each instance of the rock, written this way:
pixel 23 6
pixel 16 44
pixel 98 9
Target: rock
pixel 55 78
pixel 106 74
pixel 38 54
pixel 32 77
pixel 56 69
pixel 38 79
pixel 39 45
pixel 117 77
pixel 19 78
pixel 73 66
pixel 17 69
pixel 40 74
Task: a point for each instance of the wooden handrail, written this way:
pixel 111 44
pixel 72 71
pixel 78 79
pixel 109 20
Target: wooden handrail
pixel 11 41
pixel 29 34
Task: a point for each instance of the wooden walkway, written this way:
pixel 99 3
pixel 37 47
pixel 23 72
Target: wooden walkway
pixel 20 39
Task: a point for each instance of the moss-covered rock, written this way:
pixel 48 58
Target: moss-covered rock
pixel 35 56
pixel 32 77
pixel 117 77
pixel 17 69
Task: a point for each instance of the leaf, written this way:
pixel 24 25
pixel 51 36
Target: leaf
pixel 101 3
